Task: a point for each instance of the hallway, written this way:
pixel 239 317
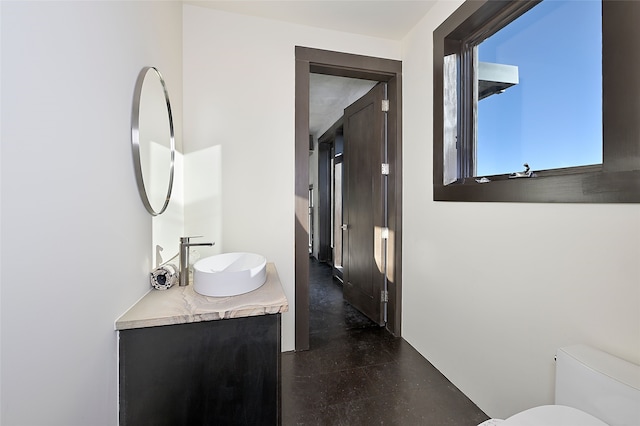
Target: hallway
pixel 356 373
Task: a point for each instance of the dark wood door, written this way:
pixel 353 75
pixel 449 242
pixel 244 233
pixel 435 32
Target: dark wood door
pixel 363 209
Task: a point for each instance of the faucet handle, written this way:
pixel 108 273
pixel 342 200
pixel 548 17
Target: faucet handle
pixel 186 239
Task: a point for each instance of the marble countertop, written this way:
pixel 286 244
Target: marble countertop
pixel 181 305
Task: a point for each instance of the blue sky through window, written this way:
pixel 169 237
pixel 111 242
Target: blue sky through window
pixel 553 117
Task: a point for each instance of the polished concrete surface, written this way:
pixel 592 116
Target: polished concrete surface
pixel 356 373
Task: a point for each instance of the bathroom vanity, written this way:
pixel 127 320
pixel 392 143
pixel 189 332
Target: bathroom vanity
pixel 188 359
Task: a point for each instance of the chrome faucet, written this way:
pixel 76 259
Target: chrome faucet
pixel 184 258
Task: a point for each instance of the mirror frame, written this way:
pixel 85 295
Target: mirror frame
pixel 135 139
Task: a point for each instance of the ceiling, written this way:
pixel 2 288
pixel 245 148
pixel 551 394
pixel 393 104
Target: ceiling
pixel 390 19
pixel 328 96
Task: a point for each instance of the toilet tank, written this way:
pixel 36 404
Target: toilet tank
pixel 599 384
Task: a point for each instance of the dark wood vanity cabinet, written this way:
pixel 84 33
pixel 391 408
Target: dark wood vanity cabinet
pixel 222 372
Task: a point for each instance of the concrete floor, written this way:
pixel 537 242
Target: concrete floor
pixel 356 373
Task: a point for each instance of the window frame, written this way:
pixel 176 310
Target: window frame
pixel 616 180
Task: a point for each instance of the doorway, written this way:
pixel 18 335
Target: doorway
pixel 355 66
pixel 330 186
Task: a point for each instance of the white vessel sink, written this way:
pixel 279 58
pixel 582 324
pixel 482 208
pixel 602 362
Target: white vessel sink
pixel 229 274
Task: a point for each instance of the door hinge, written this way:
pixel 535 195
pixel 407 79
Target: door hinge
pixel 384 233
pixel 384 296
pixel 385 105
pixel 385 169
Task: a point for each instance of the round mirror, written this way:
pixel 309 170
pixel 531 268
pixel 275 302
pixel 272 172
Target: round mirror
pixel 152 140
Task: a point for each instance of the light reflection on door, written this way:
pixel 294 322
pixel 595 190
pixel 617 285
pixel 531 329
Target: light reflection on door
pixel 337 215
pixel 311 207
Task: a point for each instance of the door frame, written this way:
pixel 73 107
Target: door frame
pixel 308 60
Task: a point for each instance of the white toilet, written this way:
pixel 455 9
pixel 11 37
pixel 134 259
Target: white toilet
pixel 593 388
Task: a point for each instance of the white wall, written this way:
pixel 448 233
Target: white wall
pixel 76 239
pixel 491 290
pixel 239 100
